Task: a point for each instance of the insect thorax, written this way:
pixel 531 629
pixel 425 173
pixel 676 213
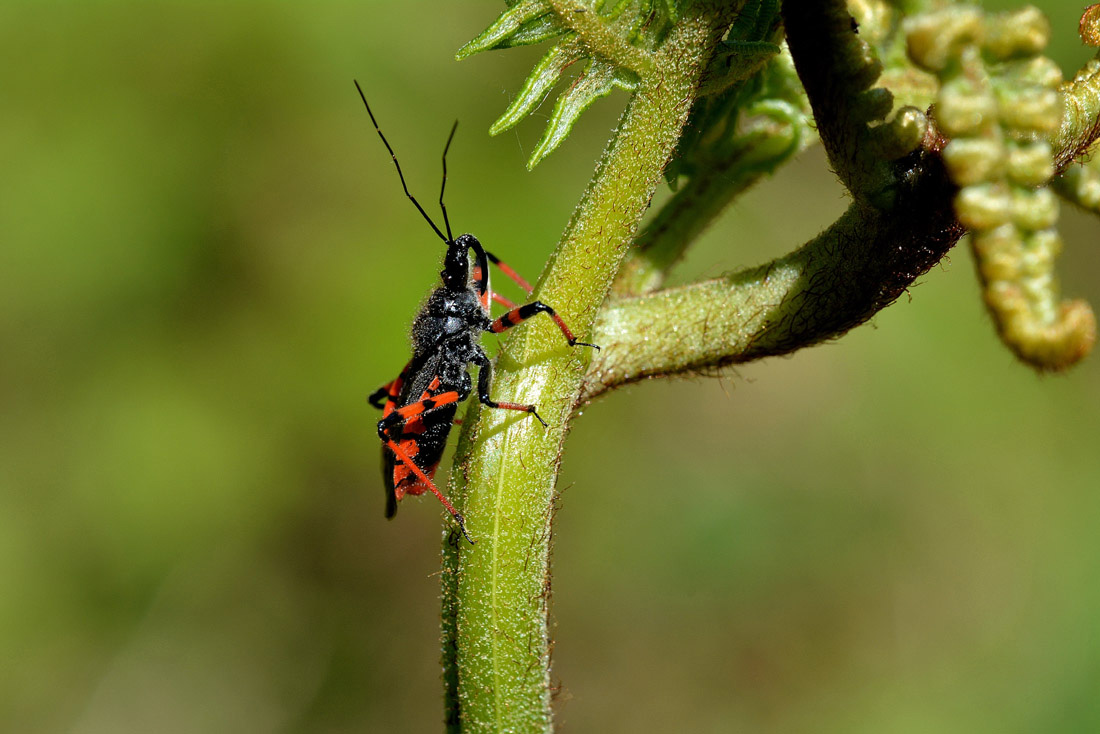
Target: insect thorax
pixel 446 315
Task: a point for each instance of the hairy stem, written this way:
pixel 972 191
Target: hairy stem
pixel 496 646
pixel 838 69
pixel 1081 117
pixel 600 37
pixel 838 280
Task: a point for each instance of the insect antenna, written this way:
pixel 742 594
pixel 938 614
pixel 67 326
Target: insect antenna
pixel 443 187
pixel 400 175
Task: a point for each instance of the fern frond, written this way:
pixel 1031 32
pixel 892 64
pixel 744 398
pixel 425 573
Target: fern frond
pixel 614 39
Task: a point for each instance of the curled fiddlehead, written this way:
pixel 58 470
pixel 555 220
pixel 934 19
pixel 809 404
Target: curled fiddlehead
pixel 1000 105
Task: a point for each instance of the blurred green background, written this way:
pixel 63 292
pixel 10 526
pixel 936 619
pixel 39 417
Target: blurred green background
pixel 207 264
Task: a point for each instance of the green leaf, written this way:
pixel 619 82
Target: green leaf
pixel 598 79
pixel 541 80
pixel 614 37
pixel 534 31
pixel 518 18
pixel 752 42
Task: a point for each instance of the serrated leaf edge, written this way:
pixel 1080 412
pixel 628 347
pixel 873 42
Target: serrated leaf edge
pixel 598 80
pixel 543 77
pixel 508 23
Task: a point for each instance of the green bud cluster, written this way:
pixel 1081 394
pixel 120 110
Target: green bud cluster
pixel 999 104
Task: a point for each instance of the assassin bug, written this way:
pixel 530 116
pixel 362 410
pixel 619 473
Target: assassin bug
pixel 418 407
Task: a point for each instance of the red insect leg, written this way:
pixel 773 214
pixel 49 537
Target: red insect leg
pixel 481 278
pixel 485 294
pixel 481 282
pixel 507 270
pixel 519 315
pixel 427 482
pixel 409 419
pixel 503 301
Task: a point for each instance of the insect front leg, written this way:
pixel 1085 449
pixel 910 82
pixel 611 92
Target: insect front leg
pixel 507 270
pixel 484 382
pixel 482 258
pixel 481 284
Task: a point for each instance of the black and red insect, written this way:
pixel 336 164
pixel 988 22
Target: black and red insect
pixel 418 407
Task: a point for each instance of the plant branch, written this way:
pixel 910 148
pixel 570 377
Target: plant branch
pixel 838 280
pixel 900 225
pixel 838 70
pixel 496 646
pixel 496 651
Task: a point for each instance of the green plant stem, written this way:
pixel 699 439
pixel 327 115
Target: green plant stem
pixel 597 34
pixel 838 70
pixel 838 280
pixel 496 645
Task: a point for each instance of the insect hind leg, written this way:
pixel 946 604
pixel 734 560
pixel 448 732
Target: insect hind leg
pixel 484 381
pixel 401 417
pixel 405 459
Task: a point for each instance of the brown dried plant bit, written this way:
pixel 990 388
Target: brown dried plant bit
pixel 1090 26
